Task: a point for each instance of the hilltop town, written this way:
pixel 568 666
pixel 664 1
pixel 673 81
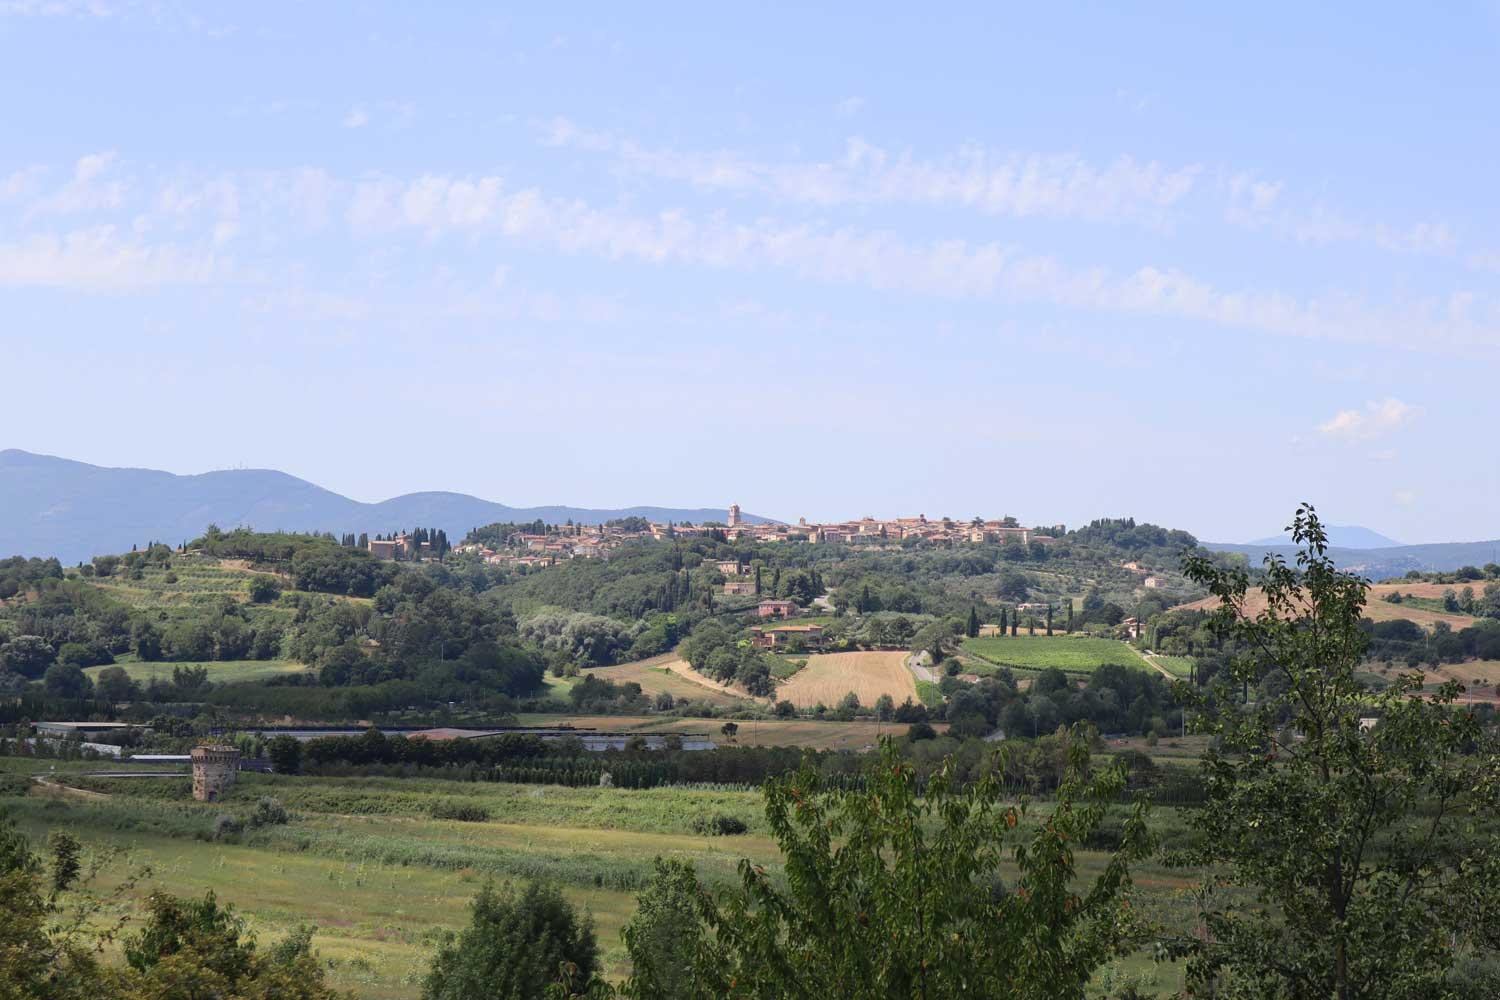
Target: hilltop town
pixel 538 545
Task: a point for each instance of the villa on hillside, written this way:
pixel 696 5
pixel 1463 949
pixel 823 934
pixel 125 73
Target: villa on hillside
pixel 776 609
pixel 739 588
pixel 778 636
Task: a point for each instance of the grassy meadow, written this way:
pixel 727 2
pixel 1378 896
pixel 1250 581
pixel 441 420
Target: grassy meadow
pixel 365 861
pixel 219 671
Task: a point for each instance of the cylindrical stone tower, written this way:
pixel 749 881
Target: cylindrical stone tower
pixel 214 768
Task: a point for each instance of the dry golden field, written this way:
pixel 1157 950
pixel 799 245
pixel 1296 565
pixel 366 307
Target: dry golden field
pixel 1376 607
pixel 669 673
pixel 829 676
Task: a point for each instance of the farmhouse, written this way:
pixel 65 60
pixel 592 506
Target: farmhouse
pixel 729 567
pixel 739 587
pixel 777 636
pixel 776 609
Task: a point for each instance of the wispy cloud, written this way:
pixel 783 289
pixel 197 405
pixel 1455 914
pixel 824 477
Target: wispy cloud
pixel 436 205
pixel 1021 185
pixel 100 259
pixel 1378 418
pixel 391 114
pixel 1258 204
pixel 88 190
pixel 58 8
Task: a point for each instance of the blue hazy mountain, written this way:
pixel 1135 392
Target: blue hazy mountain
pixel 56 507
pixel 1343 536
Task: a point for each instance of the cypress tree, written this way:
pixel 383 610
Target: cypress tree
pixel 1004 621
pixel 1049 619
pixel 973 628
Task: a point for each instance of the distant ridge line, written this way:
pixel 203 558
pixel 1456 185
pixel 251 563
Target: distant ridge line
pixel 73 510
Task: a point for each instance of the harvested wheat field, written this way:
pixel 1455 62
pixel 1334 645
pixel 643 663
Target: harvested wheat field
pixel 667 673
pixel 829 676
pixel 1377 609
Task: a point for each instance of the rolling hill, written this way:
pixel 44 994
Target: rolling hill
pixel 55 506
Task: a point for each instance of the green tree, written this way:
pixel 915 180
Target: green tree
pixel 65 867
pixel 27 655
pixel 114 685
pixel 889 893
pixel 1340 823
pixel 666 932
pixel 285 753
pixel 971 629
pixel 513 947
pixel 264 588
pixel 67 680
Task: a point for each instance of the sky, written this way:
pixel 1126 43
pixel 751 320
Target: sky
pixel 1187 264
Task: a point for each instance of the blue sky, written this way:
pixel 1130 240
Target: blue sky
pixel 1190 266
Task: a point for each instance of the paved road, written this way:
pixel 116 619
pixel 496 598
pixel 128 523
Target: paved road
pixel 923 672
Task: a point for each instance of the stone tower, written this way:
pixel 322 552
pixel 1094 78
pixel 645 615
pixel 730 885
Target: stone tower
pixel 214 769
pixel 734 515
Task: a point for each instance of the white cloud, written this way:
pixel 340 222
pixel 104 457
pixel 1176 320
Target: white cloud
pixel 436 205
pixel 87 190
pixel 98 260
pixel 1405 498
pixel 357 118
pixel 22 183
pixel 1375 420
pixel 1022 185
pixel 1258 204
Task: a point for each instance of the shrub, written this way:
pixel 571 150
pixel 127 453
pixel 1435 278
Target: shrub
pixel 719 825
pixel 467 812
pixel 226 825
pixel 269 812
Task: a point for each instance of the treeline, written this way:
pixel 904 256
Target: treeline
pixel 530 759
pixel 1114 699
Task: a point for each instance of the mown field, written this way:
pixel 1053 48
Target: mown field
pixel 364 860
pixel 828 677
pixel 1072 654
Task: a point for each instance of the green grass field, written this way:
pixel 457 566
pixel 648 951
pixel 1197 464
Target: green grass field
pixel 1075 655
pixel 1178 666
pixel 219 671
pixel 382 880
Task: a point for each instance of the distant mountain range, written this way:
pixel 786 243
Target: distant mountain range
pixel 1344 536
pixel 1387 561
pixel 56 507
